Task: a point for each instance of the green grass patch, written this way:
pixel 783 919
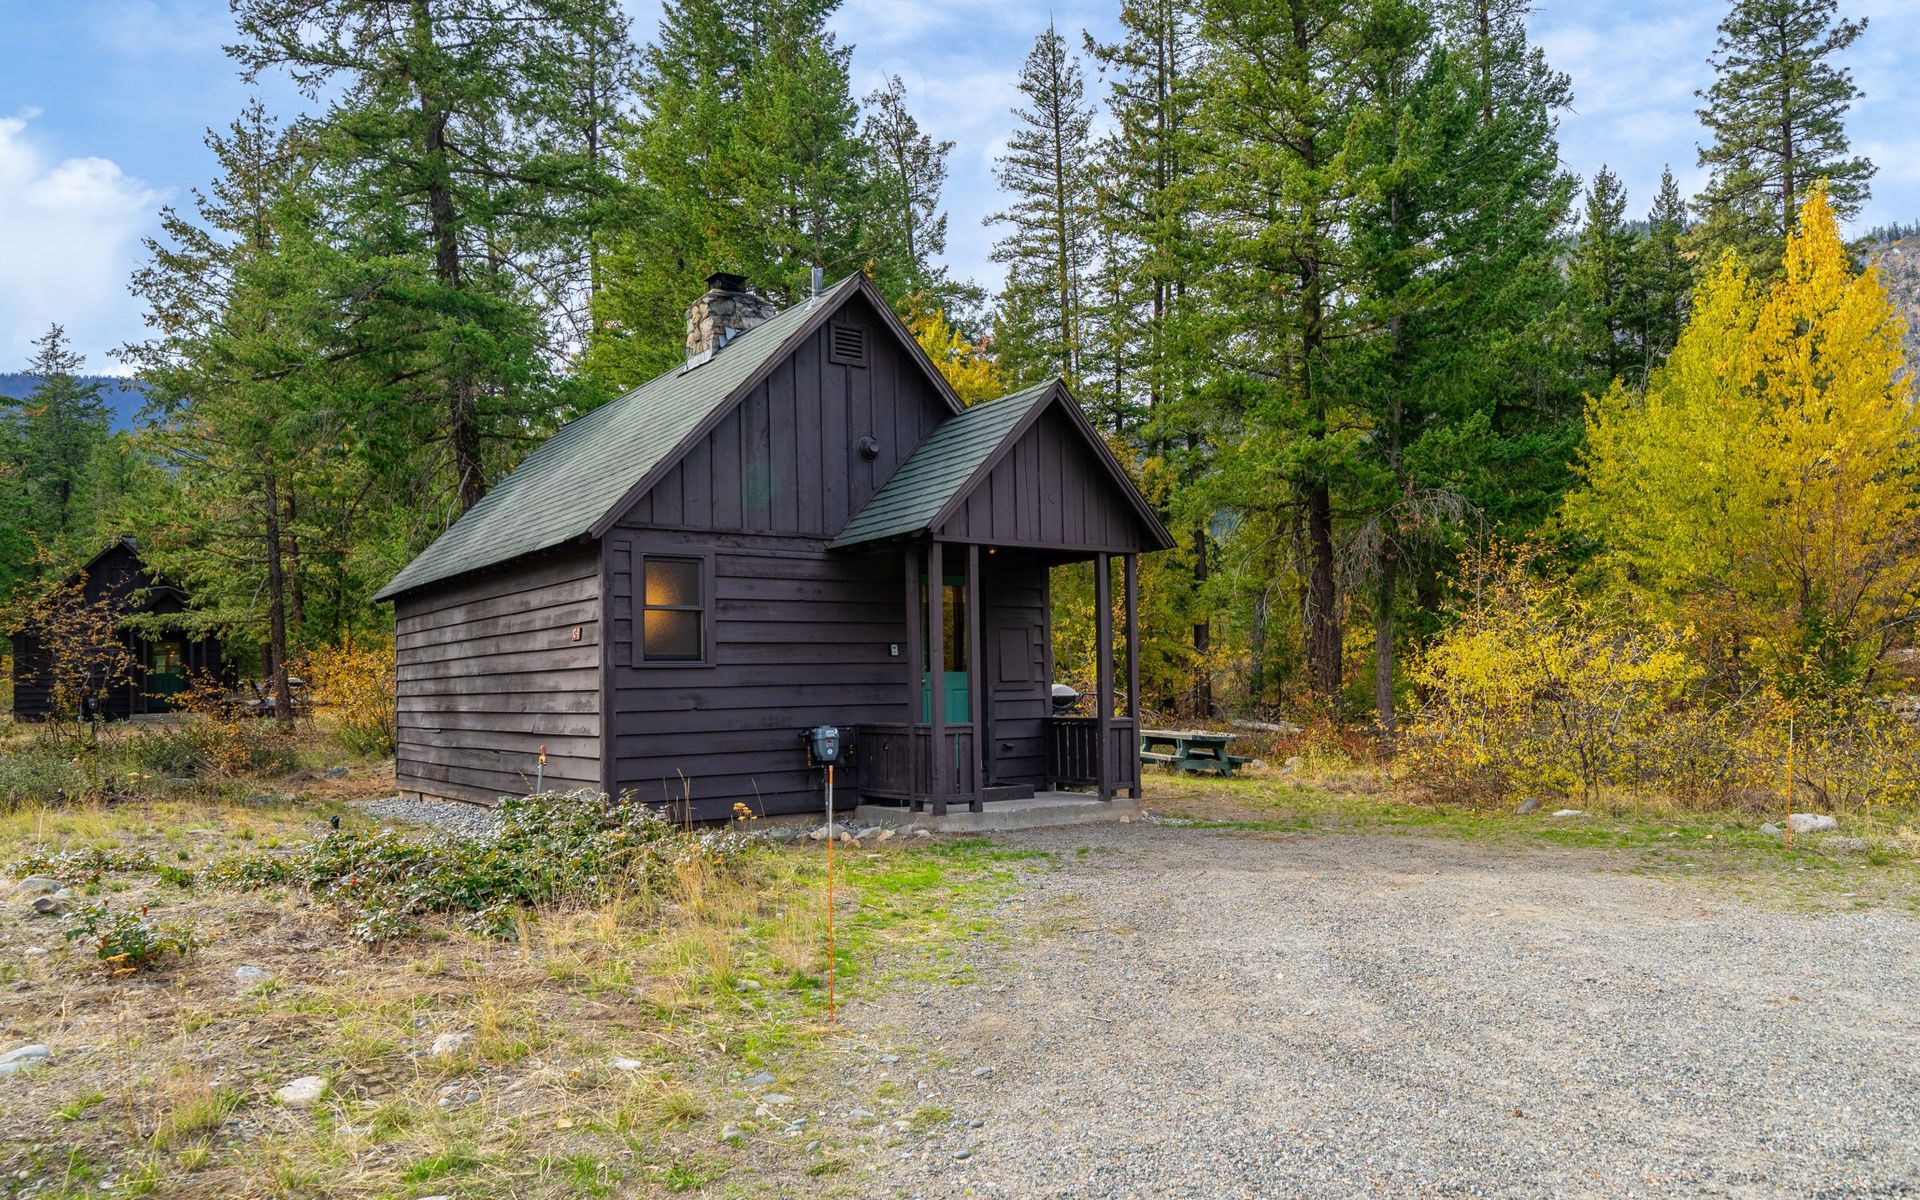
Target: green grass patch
pixel 1642 835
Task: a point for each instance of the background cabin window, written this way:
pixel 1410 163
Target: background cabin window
pixel 673 614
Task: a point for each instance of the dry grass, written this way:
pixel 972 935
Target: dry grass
pixel 163 1083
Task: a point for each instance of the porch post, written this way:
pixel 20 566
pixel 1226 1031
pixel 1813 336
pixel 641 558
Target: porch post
pixel 914 716
pixel 976 678
pixel 1103 672
pixel 1130 566
pixel 941 765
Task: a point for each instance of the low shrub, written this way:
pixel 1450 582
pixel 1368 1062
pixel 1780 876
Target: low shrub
pixel 574 849
pixel 82 864
pixel 355 684
pixel 42 775
pixel 127 941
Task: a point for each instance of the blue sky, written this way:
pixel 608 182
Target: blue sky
pixel 103 104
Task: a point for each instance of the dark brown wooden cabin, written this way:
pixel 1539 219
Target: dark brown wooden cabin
pixel 801 526
pixel 163 657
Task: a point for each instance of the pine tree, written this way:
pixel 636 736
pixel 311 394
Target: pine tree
pixel 744 157
pixel 1049 245
pixel 1602 279
pixel 458 149
pixel 1279 95
pixel 1662 279
pixel 1457 258
pixel 59 427
pixel 908 169
pixel 253 402
pixel 1776 115
pixel 1147 357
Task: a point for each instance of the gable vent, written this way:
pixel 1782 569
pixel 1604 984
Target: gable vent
pixel 847 345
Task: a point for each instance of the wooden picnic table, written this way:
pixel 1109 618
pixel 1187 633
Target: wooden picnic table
pixel 1189 750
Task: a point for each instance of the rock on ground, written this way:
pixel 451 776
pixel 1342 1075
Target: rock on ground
pixel 450 1044
pixel 1192 1013
pixel 1812 823
pixel 303 1092
pixel 24 1058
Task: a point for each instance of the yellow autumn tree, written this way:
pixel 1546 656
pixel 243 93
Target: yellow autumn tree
pixel 1768 482
pixel 974 374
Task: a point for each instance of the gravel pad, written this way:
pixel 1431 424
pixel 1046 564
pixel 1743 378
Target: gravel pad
pixel 1188 1013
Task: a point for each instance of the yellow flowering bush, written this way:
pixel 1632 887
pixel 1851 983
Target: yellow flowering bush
pixel 1538 686
pixel 354 684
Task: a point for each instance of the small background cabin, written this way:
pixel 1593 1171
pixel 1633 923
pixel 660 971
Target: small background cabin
pixel 800 526
pixel 163 657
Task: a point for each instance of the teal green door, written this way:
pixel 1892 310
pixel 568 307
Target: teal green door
pixel 166 674
pixel 954 648
pixel 958 711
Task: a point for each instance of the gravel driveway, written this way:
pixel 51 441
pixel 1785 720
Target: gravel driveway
pixel 1189 1013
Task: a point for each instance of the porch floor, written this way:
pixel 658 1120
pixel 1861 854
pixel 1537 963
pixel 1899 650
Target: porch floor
pixel 1036 812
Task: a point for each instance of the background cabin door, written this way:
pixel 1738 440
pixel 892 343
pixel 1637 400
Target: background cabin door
pixel 166 673
pixel 954 655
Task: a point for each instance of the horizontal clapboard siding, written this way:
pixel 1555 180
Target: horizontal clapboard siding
pixel 801 638
pixel 488 670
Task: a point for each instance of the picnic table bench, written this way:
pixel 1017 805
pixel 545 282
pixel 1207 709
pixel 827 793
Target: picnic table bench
pixel 1189 750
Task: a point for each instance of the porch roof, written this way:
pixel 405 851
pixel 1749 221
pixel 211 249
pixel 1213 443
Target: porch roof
pixel 941 467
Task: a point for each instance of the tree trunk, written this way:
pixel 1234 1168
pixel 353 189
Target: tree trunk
pixel 1383 641
pixel 1323 617
pixel 1257 651
pixel 1202 634
pixel 444 232
pixel 276 606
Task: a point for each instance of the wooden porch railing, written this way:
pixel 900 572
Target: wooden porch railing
pixel 895 763
pixel 1073 755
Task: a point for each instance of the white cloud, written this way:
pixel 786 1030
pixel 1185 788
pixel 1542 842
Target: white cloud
pixel 69 237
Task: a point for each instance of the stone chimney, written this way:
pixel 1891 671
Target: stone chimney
pixel 724 313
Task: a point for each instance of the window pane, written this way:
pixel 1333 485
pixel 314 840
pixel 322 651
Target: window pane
pixel 673 581
pixel 671 636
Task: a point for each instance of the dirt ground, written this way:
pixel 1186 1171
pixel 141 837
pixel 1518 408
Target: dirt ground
pixel 1191 1012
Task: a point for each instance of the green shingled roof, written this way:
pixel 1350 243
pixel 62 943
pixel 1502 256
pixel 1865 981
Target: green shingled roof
pixel 563 489
pixel 935 472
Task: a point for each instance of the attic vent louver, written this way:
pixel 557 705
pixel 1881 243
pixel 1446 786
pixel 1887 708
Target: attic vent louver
pixel 847 345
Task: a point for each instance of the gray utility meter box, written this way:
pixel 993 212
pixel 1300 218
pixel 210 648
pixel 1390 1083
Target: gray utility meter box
pixel 823 744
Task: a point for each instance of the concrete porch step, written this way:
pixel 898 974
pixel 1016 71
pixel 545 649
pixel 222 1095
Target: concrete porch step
pixel 1041 811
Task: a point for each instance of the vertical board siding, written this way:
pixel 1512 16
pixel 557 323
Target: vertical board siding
pixel 787 460
pixel 488 671
pixel 1048 489
pixel 801 638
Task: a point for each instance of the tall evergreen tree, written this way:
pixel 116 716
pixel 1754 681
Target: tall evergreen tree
pixel 1662 278
pixel 1149 360
pixel 1279 91
pixel 1455 232
pixel 251 417
pixel 1049 246
pixel 1602 279
pixel 58 428
pixel 744 157
pixel 1776 114
pixel 458 149
pixel 908 169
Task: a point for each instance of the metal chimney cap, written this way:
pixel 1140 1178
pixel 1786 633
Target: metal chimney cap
pixel 727 281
